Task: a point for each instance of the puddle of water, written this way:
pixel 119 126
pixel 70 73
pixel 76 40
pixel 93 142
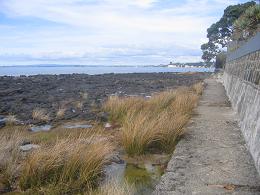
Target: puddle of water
pixel 75 126
pixel 143 176
pixel 41 128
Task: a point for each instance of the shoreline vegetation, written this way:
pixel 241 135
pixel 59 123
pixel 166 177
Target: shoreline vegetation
pixel 72 161
pixel 56 98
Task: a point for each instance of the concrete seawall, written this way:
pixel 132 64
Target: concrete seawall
pixel 212 156
pixel 242 84
pixel 245 98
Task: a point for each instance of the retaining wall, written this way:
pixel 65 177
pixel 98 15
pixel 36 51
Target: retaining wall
pixel 242 84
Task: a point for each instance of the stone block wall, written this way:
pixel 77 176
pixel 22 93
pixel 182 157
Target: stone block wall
pixel 242 84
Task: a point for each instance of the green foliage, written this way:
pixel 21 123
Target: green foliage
pixel 210 50
pixel 247 24
pixel 220 33
pixel 221 60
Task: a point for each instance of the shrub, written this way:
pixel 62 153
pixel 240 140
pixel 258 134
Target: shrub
pixel 221 60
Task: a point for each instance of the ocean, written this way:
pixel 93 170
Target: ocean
pixel 91 70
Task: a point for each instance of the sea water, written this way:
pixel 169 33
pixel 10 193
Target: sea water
pixel 91 70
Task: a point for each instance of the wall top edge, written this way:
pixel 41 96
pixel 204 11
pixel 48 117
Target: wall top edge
pixel 250 46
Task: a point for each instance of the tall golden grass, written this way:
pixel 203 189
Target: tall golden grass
pixel 10 155
pixel 138 132
pixel 119 107
pixel 71 162
pixel 10 119
pixel 50 137
pixel 114 188
pixel 158 121
pixel 198 87
pixel 60 112
pixel 79 104
pixel 68 166
pixel 40 114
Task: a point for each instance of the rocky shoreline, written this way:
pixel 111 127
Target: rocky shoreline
pixel 80 95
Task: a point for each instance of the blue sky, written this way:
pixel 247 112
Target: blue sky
pixel 107 32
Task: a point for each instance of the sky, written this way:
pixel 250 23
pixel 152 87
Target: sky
pixel 105 32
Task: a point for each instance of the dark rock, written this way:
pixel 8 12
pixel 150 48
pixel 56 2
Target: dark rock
pixel 103 116
pixel 2 123
pixel 25 143
pixel 20 95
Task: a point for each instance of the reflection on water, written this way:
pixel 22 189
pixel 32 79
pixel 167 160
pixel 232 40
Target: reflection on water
pixel 143 176
pixel 41 128
pixel 76 126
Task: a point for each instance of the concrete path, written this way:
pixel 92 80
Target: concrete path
pixel 212 157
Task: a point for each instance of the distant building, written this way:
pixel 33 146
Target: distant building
pixel 172 66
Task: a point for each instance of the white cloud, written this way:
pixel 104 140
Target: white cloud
pixel 86 30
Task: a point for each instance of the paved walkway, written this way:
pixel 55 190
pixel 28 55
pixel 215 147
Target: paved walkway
pixel 212 157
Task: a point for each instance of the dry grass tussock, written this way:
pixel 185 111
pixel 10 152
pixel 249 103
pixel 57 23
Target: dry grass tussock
pixel 69 166
pixel 10 155
pixel 50 137
pixel 198 88
pixel 61 112
pixel 156 122
pixel 79 104
pixel 114 188
pixel 84 95
pixel 40 114
pixel 10 119
pixel 119 107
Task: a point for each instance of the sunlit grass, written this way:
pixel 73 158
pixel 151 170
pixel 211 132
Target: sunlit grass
pixel 156 122
pixel 68 166
pixel 61 112
pixel 10 156
pixel 49 137
pixel 10 119
pixel 70 161
pixel 40 114
pixel 114 188
pixel 198 87
pixel 119 107
pixel 138 132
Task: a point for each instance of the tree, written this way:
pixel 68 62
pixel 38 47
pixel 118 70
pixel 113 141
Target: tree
pixel 219 33
pixel 210 50
pixel 248 24
pixel 221 60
